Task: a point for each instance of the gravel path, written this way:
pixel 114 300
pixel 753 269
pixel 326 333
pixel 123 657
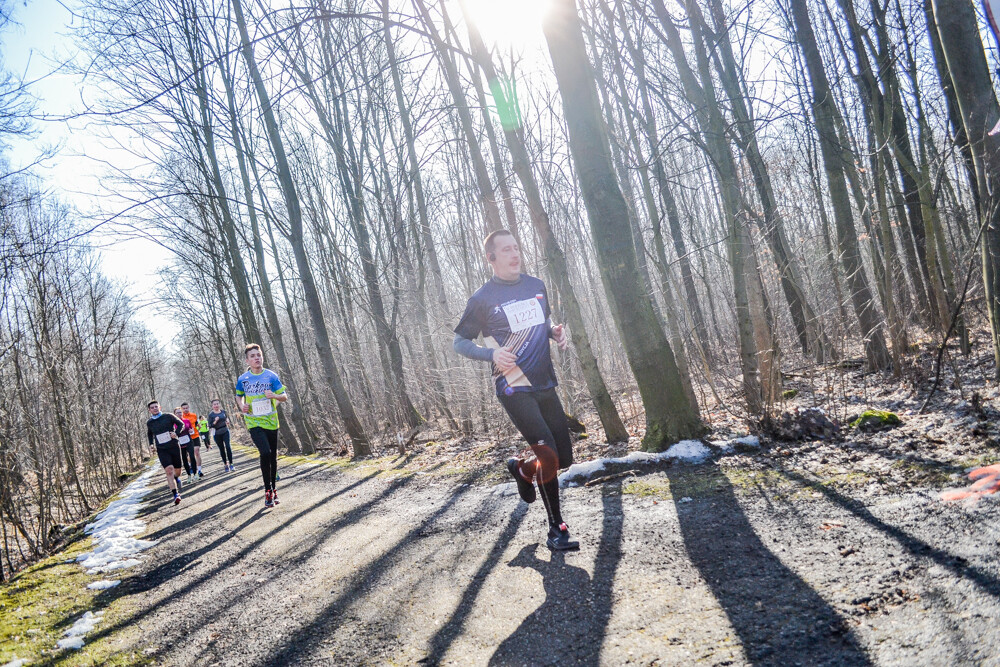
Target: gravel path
pixel 694 568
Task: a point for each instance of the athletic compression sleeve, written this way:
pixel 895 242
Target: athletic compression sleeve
pixel 470 350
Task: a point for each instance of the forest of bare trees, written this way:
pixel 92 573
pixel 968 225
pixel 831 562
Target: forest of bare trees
pixel 715 191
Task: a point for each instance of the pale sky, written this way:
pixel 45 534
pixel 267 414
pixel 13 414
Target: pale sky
pixel 33 49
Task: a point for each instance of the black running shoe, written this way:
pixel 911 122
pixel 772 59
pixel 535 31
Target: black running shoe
pixel 559 539
pixel 524 488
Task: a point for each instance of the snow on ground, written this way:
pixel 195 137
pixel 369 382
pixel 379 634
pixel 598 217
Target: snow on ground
pixel 83 625
pixel 688 451
pixel 730 445
pixel 113 533
pixel 114 529
pixel 17 662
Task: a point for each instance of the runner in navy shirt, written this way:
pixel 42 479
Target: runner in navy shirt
pixel 512 314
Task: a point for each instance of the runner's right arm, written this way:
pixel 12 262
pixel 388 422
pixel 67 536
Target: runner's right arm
pixel 470 350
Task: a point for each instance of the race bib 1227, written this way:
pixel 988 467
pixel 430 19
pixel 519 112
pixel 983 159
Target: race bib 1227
pixel 523 315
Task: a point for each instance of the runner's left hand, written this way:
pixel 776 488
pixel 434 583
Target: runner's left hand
pixel 559 336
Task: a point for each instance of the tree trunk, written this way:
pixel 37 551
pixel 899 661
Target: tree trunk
pixel 614 429
pixel 670 415
pixel 486 195
pixel 966 64
pixel 353 425
pixel 832 151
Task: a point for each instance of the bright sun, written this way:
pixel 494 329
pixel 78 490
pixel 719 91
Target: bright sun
pixel 509 22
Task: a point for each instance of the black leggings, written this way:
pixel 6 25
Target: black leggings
pixel 187 455
pixel 540 418
pixel 222 442
pixel 266 441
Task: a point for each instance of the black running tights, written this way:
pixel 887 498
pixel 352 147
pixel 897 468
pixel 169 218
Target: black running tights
pixel 266 442
pixel 190 463
pixel 540 418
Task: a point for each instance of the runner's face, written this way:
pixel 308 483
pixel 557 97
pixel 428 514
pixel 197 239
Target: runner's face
pixel 216 406
pixel 185 407
pixel 154 409
pixel 255 358
pixel 506 262
pixel 178 412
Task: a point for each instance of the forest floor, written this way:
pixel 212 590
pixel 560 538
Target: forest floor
pixel 832 551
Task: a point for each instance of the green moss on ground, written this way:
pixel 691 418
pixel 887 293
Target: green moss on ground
pixel 39 604
pixel 659 489
pixel 876 420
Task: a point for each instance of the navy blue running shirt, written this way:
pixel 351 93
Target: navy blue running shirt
pixel 515 316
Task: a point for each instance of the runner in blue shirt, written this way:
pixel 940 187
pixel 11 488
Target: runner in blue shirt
pixel 258 391
pixel 511 312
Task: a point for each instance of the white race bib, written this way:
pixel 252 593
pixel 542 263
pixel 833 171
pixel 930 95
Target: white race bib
pixel 261 407
pixel 163 438
pixel 523 315
pixel 183 440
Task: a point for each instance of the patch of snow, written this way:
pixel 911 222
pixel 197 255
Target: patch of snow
pixel 114 529
pixel 685 499
pixel 84 624
pixel 103 584
pixel 688 451
pixel 17 662
pixel 691 451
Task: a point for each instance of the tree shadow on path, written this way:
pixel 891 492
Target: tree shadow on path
pixel 982 578
pixel 779 618
pixel 571 624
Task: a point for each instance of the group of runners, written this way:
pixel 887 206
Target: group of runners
pixel 512 314
pixel 176 438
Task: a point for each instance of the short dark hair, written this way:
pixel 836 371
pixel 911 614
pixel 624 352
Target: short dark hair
pixel 151 402
pixel 215 400
pixel 185 404
pixel 489 243
pixel 249 347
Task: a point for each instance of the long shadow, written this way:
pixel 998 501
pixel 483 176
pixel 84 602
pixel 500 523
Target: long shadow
pixel 551 634
pixel 986 582
pixel 570 625
pixel 158 575
pixel 326 621
pixel 444 637
pixel 195 519
pixel 779 618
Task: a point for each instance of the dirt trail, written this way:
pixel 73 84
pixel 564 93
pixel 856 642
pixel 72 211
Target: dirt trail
pixel 691 566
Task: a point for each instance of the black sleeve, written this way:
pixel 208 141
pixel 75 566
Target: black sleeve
pixel 149 431
pixel 471 324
